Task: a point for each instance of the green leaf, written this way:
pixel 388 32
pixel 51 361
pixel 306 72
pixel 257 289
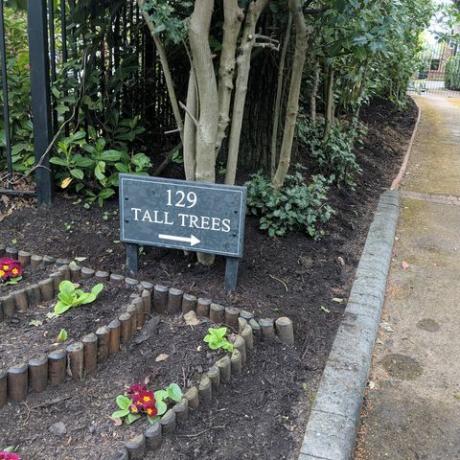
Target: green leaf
pixel 153 420
pixel 162 407
pixel 97 289
pixel 131 418
pixel 60 308
pixel 120 413
pixel 62 336
pixel 110 155
pixel 77 173
pixel 123 402
pixel 174 392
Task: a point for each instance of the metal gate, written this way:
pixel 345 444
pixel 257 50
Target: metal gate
pixel 438 70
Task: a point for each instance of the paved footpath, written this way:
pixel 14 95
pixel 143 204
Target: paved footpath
pixel 412 410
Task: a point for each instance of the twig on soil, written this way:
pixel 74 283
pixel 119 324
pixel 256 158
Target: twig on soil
pixel 280 281
pixel 50 402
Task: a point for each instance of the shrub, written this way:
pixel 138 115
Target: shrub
pixel 296 206
pixel 334 153
pixel 452 77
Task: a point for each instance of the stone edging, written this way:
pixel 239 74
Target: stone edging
pixel 332 425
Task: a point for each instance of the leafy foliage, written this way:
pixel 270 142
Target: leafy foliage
pixel 70 296
pixel 295 207
pixel 453 73
pixel 333 152
pixel 217 340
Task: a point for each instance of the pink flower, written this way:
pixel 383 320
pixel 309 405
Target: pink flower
pixel 4 455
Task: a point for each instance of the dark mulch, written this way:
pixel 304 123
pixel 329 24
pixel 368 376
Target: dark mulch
pixel 30 333
pixel 264 414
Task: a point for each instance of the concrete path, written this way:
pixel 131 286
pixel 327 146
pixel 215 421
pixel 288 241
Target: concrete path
pixel 412 409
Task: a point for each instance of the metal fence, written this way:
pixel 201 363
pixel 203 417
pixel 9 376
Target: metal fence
pixel 438 70
pixel 56 38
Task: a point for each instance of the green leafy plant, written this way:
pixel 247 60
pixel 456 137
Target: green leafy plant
pixel 62 336
pixel 295 207
pixel 452 77
pixel 139 401
pixel 70 296
pixel 217 340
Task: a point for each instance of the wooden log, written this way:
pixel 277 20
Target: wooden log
pixel 188 303
pixel 168 422
pixel 160 298
pixel 131 283
pixel 48 260
pixel 181 410
pixel 34 295
pixel 115 333
pixel 90 353
pixel 175 301
pixel 214 376
pixel 76 361
pixel 242 323
pixel 57 362
pixel 136 447
pixel 248 337
pixel 132 312
pixel 191 395
pixel 102 275
pixel 205 390
pixel 202 307
pixel 255 326
pixel 24 258
pixel 247 315
pixel 2 250
pixel 116 279
pixel 65 270
pixel 153 437
pixel 11 253
pixel 147 300
pixel 61 261
pixel 146 285
pixel 285 330
pixel 75 273
pixel 236 362
pixel 3 387
pixel 120 454
pixel 225 369
pixel 18 382
pixel 216 313
pixel 38 373
pixel 140 314
pixel 21 301
pixel 58 278
pixel 87 273
pixel 8 306
pixel 267 328
pixel 125 321
pixel 231 316
pixel 240 345
pixel 36 262
pixel 103 339
pixel 46 289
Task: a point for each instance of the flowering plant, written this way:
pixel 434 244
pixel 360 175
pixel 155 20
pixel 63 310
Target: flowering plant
pixel 7 454
pixel 10 271
pixel 138 401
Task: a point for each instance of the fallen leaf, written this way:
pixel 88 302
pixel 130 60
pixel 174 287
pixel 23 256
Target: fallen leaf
pixel 66 182
pixel 326 310
pixel 405 265
pixel 80 259
pixel 371 385
pixel 191 319
pixel 337 300
pixel 35 322
pixel 162 357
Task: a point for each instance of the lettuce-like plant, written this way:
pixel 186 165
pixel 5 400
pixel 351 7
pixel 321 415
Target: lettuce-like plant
pixel 216 339
pixel 70 296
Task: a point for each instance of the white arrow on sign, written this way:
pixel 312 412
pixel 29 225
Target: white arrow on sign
pixel 193 240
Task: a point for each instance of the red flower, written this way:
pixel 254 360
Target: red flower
pixel 9 268
pixel 135 390
pixel 4 455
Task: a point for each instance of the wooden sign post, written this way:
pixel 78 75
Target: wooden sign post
pixel 190 216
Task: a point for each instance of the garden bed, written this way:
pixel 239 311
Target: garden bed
pixel 32 332
pixel 263 414
pixel 84 408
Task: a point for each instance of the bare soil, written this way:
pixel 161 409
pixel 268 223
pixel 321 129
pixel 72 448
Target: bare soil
pixel 262 414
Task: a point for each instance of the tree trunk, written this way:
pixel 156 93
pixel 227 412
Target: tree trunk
pixel 244 64
pixel 233 17
pixel 208 109
pixel 314 93
pixel 294 93
pixel 189 144
pixel 330 103
pixel 279 93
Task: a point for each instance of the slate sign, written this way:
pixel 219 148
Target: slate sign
pixel 193 216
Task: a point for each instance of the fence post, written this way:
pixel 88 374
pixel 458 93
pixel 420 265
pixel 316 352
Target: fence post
pixel 41 99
